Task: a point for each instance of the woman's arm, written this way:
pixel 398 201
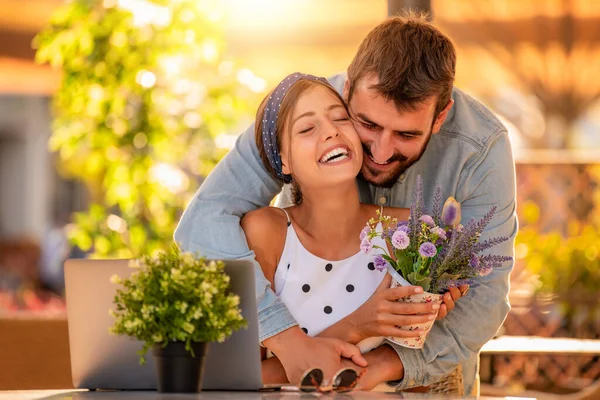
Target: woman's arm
pixel 265 231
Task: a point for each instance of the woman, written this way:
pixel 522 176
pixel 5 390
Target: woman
pixel 310 252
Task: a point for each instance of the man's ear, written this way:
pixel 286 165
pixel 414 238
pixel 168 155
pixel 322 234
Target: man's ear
pixel 439 121
pixel 346 90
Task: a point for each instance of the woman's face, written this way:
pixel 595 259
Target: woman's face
pixel 320 145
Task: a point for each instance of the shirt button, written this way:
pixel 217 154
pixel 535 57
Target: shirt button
pixel 403 176
pixel 382 200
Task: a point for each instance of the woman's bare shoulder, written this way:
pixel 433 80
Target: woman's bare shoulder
pixel 265 230
pixel 264 222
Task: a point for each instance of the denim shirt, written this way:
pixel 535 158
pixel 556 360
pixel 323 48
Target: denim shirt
pixel 470 159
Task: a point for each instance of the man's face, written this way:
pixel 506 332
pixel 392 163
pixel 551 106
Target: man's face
pixel 392 140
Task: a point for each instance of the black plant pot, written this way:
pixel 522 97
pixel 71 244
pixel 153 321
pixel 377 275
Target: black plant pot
pixel 177 370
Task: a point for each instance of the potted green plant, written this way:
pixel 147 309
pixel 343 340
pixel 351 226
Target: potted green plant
pixel 176 303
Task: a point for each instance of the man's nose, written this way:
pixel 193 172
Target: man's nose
pixel 382 148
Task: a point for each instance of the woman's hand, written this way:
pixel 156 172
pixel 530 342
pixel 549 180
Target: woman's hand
pixel 381 315
pixel 450 298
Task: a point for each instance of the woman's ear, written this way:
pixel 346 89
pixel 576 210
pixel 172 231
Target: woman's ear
pixel 285 163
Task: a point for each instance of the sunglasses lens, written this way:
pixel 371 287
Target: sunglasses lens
pixel 345 379
pixel 312 380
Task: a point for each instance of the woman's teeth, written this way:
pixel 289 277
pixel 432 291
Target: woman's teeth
pixel 335 155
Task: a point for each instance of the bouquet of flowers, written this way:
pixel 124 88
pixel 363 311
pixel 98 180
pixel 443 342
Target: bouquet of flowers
pixel 434 251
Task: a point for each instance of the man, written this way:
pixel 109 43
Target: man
pixel 399 90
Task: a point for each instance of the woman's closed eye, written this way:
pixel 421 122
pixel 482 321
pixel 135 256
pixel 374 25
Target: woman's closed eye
pixel 306 129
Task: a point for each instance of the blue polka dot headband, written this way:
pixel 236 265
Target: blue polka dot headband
pixel 269 131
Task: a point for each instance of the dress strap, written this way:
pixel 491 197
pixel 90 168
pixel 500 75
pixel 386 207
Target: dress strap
pixel 289 222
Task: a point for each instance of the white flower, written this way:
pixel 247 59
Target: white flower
pixel 189 328
pixel 188 258
pixel 197 313
pixel 212 266
pixel 136 295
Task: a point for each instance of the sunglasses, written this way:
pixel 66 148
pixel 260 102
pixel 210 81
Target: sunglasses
pixel 343 381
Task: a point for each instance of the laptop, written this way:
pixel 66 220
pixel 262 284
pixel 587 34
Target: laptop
pixel 100 360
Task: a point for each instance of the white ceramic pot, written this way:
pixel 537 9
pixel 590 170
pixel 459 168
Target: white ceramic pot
pixel 416 342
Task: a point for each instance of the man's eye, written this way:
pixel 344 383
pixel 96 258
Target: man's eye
pixel 406 136
pixel 342 119
pixel 369 126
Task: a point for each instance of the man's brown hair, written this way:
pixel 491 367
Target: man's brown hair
pixel 412 59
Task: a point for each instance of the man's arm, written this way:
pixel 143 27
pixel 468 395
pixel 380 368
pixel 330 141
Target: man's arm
pixel 488 182
pixel 210 224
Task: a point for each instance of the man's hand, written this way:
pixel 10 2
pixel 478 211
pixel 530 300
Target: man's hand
pixel 381 314
pixel 384 366
pixel 450 298
pixel 298 353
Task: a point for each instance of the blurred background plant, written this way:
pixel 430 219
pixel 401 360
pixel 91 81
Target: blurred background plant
pixel 564 267
pixel 145 91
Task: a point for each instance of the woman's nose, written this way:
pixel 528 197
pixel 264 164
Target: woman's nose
pixel 330 130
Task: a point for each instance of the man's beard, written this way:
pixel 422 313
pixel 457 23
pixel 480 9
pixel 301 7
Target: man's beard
pixel 388 179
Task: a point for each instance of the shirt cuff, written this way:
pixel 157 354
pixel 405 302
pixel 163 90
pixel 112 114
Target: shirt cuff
pixel 412 362
pixel 274 320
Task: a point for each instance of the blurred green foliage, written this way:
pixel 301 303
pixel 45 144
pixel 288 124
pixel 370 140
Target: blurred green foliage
pixel 145 90
pixel 567 266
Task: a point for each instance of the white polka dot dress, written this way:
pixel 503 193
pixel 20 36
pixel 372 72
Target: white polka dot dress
pixel 319 292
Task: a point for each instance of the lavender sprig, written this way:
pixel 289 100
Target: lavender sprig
pixel 436 211
pixel 416 210
pixel 489 243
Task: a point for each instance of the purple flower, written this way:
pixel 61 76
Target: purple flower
pixel 427 250
pixel 366 246
pixel 402 223
pixel 451 212
pixel 400 240
pixel 474 262
pixel 380 263
pixel 403 228
pixel 441 234
pixel 364 232
pixel 427 220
